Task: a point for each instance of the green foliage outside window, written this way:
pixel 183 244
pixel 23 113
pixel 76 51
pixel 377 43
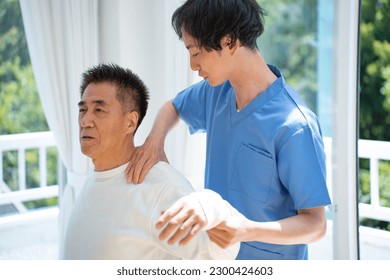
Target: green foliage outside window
pixel 375 95
pixel 289 42
pixel 375 70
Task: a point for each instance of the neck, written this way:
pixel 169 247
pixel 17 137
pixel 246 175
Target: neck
pixel 113 159
pixel 251 78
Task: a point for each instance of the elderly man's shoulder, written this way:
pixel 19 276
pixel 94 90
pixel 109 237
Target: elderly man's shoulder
pixel 163 171
pixel 163 174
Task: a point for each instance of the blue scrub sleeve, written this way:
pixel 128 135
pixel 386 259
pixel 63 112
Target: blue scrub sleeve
pixel 191 106
pixel 302 169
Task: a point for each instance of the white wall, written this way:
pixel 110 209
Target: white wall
pixel 128 39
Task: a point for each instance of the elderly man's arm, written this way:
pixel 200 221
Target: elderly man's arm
pixel 188 219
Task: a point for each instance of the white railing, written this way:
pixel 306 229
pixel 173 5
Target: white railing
pixel 373 242
pixel 374 151
pixel 20 143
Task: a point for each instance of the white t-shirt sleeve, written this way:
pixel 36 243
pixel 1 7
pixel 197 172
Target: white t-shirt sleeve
pixel 215 208
pixel 200 247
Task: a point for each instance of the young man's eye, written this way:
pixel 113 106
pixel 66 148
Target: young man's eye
pixel 195 54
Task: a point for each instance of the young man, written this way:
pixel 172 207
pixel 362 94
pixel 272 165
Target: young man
pixel 112 219
pixel 265 152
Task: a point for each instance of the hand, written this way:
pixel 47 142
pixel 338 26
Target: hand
pixel 186 216
pixel 230 231
pixel 143 159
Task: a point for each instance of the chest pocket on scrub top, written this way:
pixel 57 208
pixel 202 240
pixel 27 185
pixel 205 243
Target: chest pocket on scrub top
pixel 252 175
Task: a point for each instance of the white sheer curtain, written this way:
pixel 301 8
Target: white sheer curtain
pixel 186 152
pixel 62 38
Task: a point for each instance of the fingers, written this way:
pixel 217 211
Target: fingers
pixel 186 231
pixel 128 167
pixel 139 165
pixel 168 214
pixel 161 223
pixel 130 171
pixel 183 230
pixel 220 237
pixel 181 222
pixel 171 219
pixel 137 169
pixel 169 229
pixel 143 159
pixel 135 166
pixel 215 238
pixel 191 234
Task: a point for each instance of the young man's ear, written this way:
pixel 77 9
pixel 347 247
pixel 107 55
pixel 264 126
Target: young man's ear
pixel 228 42
pixel 132 121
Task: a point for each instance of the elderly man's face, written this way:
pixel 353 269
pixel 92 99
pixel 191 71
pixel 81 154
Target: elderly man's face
pixel 103 125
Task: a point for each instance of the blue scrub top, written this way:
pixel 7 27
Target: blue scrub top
pixel 267 160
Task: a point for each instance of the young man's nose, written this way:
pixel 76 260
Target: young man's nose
pixel 194 64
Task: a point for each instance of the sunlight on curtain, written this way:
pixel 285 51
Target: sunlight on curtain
pixel 62 38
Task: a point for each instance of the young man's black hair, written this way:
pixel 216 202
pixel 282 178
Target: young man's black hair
pixel 208 21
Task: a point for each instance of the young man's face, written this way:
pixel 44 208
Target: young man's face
pixel 103 125
pixel 212 66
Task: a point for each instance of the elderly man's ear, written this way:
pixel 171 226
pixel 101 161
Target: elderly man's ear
pixel 132 121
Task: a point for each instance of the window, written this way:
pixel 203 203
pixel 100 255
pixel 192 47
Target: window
pixel 298 39
pixel 20 111
pixel 28 154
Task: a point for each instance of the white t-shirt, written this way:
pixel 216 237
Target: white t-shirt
pixel 113 219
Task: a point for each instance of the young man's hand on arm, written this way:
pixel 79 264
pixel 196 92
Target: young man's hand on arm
pixel 306 227
pixel 152 151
